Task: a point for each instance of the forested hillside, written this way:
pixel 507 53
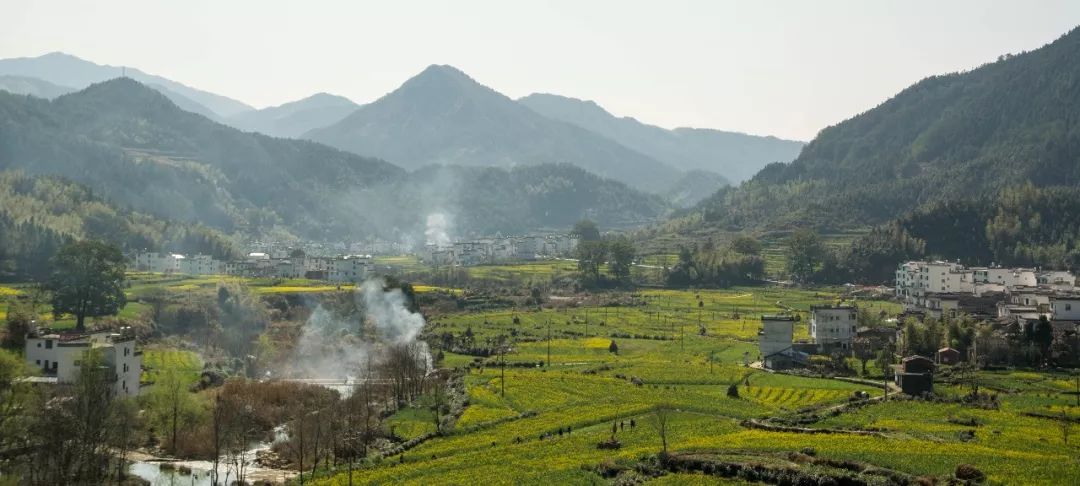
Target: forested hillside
pixel 138 149
pixel 37 214
pixel 136 146
pixel 945 138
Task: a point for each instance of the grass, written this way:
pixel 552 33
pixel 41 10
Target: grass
pixel 158 360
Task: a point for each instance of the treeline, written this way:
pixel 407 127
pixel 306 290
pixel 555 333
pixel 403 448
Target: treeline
pixel 740 262
pixel 1019 226
pixel 38 214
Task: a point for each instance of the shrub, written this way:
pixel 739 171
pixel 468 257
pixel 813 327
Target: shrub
pixel 967 472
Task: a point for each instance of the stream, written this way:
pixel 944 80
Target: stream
pixel 171 472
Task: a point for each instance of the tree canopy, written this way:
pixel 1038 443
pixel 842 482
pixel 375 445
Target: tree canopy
pixel 87 281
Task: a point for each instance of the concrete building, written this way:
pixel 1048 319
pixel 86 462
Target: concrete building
pixel 833 327
pixel 152 261
pixel 775 343
pixel 1065 307
pixel 1009 277
pixel 60 356
pixel 350 268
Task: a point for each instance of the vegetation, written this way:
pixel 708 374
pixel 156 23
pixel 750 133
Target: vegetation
pixel 87 281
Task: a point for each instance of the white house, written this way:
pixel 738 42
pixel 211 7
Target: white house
pixel 833 327
pixel 1065 308
pixel 1009 277
pixel 350 268
pixel 152 261
pixel 60 356
pixel 200 265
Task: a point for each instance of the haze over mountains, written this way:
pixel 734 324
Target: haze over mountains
pixel 71 72
pixel 441 116
pixel 291 120
pixel 132 145
pixel 736 156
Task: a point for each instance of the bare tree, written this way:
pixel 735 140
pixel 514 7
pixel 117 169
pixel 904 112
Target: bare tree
pixel 660 420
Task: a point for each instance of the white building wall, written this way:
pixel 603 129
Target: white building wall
pixel 1065 309
pixel 833 325
pixel 776 335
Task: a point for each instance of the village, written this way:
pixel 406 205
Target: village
pixel 1011 304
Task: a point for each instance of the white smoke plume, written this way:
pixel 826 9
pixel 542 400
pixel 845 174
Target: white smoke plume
pixel 437 229
pixel 387 310
pixel 330 347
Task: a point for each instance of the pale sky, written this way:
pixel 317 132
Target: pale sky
pixel 785 68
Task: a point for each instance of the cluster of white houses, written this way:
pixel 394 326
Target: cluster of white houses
pixel 500 249
pixel 61 357
pixel 346 268
pixel 1023 294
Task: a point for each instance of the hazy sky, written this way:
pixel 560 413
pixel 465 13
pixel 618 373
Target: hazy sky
pixel 786 68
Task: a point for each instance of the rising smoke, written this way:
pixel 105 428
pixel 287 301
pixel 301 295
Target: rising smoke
pixel 437 230
pixel 331 347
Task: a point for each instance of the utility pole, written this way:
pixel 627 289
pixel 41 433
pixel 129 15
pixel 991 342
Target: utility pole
pixel 586 322
pixel 549 343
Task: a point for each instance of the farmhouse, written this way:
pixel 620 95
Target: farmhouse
pixel 833 327
pixel 60 356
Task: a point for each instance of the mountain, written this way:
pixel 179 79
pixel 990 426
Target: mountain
pixel 695 186
pixel 946 138
pixel 442 116
pixel 736 156
pixel 22 85
pixel 133 146
pixel 293 119
pixel 136 146
pixel 67 70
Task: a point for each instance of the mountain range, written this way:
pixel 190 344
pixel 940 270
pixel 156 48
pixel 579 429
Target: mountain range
pixel 442 116
pixel 291 120
pixel 735 156
pixel 74 73
pixel 135 147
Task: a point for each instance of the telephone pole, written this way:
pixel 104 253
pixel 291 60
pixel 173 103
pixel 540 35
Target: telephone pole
pixel 549 343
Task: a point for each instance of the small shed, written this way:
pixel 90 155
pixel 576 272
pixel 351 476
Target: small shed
pixel 948 356
pixel 915 375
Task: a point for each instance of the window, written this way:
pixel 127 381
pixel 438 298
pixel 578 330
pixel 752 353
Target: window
pixel 48 344
pixel 37 362
pixel 1068 307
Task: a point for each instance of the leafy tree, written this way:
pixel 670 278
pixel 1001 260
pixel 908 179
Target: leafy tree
pixel 805 254
pixel 586 230
pixel 87 280
pixel 622 257
pixel 591 255
pixel 746 245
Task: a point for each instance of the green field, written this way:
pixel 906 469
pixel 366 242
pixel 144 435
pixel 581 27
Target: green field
pixel 508 432
pixel 157 360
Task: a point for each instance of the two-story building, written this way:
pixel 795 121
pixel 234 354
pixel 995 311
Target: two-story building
pixel 61 356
